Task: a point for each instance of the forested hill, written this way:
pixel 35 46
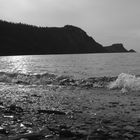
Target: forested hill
pixel 21 39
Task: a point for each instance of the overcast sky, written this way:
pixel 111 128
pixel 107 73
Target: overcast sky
pixel 107 21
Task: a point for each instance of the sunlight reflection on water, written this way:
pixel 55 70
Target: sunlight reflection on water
pixel 78 65
pixel 18 64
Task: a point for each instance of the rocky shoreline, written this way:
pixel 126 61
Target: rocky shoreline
pixel 42 113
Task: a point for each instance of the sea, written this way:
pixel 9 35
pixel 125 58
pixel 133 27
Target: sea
pixel 69 69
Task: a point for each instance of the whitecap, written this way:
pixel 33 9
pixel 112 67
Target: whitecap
pixel 126 82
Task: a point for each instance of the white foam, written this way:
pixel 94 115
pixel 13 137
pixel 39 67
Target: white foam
pixel 126 82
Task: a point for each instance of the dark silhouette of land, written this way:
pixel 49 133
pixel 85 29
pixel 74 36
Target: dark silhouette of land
pixel 22 39
pixel 116 48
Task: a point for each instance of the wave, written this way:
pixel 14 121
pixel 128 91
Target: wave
pixel 22 78
pixel 126 82
pixel 52 79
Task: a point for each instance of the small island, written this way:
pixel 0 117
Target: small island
pixel 22 39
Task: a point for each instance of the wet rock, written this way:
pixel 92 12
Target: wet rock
pixel 3 131
pixel 66 134
pixel 82 133
pixel 112 127
pixel 115 134
pixel 77 111
pixel 63 126
pixel 35 95
pixel 2 107
pixel 128 135
pixel 22 82
pixel 45 131
pixel 1 103
pixel 52 112
pixel 27 124
pixel 30 136
pixel 49 136
pixel 13 109
pixel 129 128
pixel 106 121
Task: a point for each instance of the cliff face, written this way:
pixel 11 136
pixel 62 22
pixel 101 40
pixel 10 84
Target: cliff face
pixel 21 39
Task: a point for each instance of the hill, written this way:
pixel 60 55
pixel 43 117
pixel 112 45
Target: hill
pixel 22 39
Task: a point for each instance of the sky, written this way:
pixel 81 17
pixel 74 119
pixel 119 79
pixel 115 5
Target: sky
pixel 107 21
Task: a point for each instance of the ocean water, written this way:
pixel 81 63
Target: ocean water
pixel 77 65
pixel 56 69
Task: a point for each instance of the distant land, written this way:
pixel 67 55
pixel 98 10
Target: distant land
pixel 116 48
pixel 22 39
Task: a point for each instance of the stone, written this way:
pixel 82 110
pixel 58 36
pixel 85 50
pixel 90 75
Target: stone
pixel 128 135
pixel 115 134
pixel 3 131
pixel 29 136
pixel 129 128
pixel 13 109
pixel 52 112
pixel 66 134
pixel 83 132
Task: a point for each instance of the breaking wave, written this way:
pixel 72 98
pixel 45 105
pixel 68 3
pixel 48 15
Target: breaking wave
pixel 126 82
pixel 52 79
pixel 21 78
